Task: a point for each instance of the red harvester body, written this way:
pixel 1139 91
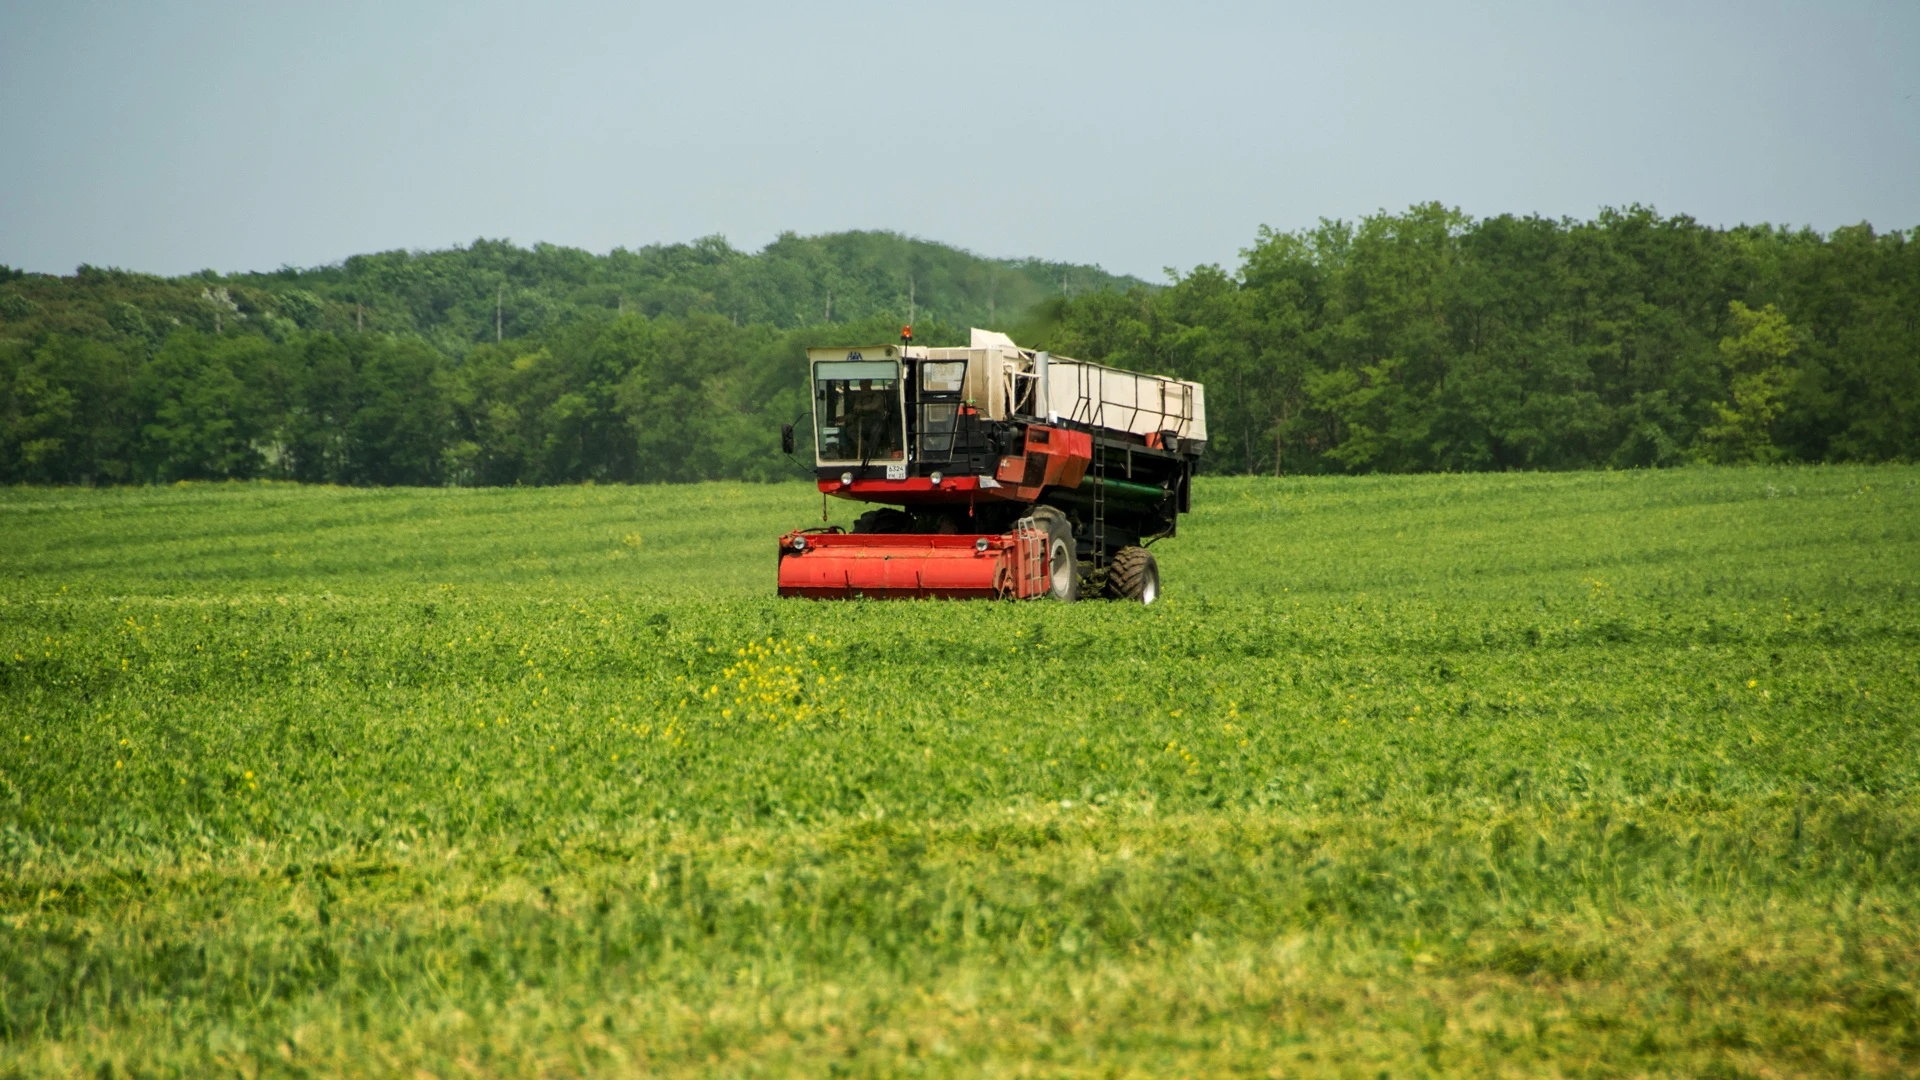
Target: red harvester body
pixel 1004 473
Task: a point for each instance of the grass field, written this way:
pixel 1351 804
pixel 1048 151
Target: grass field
pixel 1598 774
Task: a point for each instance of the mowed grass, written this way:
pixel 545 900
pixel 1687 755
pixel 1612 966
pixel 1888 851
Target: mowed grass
pixel 1591 774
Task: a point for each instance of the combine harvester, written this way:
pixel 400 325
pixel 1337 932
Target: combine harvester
pixel 1001 472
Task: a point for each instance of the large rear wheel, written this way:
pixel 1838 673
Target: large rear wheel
pixel 1134 575
pixel 884 520
pixel 1063 571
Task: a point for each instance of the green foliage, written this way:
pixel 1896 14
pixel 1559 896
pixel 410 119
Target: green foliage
pixel 66 411
pixel 17 308
pixel 205 421
pixel 1414 342
pixel 1586 774
pixel 490 288
pixel 1754 356
pixel 489 364
pixel 1429 341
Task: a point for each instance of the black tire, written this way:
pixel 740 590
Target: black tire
pixel 1134 575
pixel 884 520
pixel 1062 566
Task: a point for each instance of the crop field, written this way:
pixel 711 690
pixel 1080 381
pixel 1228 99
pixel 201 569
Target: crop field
pixel 1591 774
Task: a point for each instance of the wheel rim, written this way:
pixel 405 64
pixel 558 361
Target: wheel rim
pixel 1062 568
pixel 1150 589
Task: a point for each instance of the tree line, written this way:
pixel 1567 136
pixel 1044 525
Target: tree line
pixel 1429 340
pixel 483 364
pixel 627 399
pixel 1425 340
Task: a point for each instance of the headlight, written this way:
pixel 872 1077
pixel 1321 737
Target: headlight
pixel 799 543
pixel 980 544
pixel 846 479
pixel 935 477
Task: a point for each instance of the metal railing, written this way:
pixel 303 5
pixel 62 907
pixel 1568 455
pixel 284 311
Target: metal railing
pixel 1097 398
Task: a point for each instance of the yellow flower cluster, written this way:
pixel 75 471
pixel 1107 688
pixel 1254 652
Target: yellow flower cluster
pixel 774 682
pixel 1185 755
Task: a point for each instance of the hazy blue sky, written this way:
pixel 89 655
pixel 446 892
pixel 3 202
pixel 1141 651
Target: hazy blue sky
pixel 174 136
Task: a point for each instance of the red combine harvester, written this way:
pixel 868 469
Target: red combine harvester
pixel 1001 472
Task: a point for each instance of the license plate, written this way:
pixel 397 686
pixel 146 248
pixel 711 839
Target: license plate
pixel 897 472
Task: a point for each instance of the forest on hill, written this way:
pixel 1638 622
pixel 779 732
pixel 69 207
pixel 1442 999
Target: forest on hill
pixel 1418 341
pixel 491 290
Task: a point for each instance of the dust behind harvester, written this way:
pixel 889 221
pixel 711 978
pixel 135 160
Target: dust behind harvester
pixel 996 471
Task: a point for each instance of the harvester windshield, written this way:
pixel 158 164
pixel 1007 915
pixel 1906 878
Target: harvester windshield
pixel 858 411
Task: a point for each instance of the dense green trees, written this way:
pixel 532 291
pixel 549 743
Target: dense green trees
pixel 1402 342
pixel 489 364
pixel 623 399
pixel 1428 341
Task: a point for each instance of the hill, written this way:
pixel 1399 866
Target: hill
pixel 493 289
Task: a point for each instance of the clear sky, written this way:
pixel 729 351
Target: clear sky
pixel 169 137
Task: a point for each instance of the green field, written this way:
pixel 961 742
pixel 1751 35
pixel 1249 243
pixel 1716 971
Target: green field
pixel 1591 774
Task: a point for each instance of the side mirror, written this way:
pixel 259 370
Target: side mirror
pixel 786 438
